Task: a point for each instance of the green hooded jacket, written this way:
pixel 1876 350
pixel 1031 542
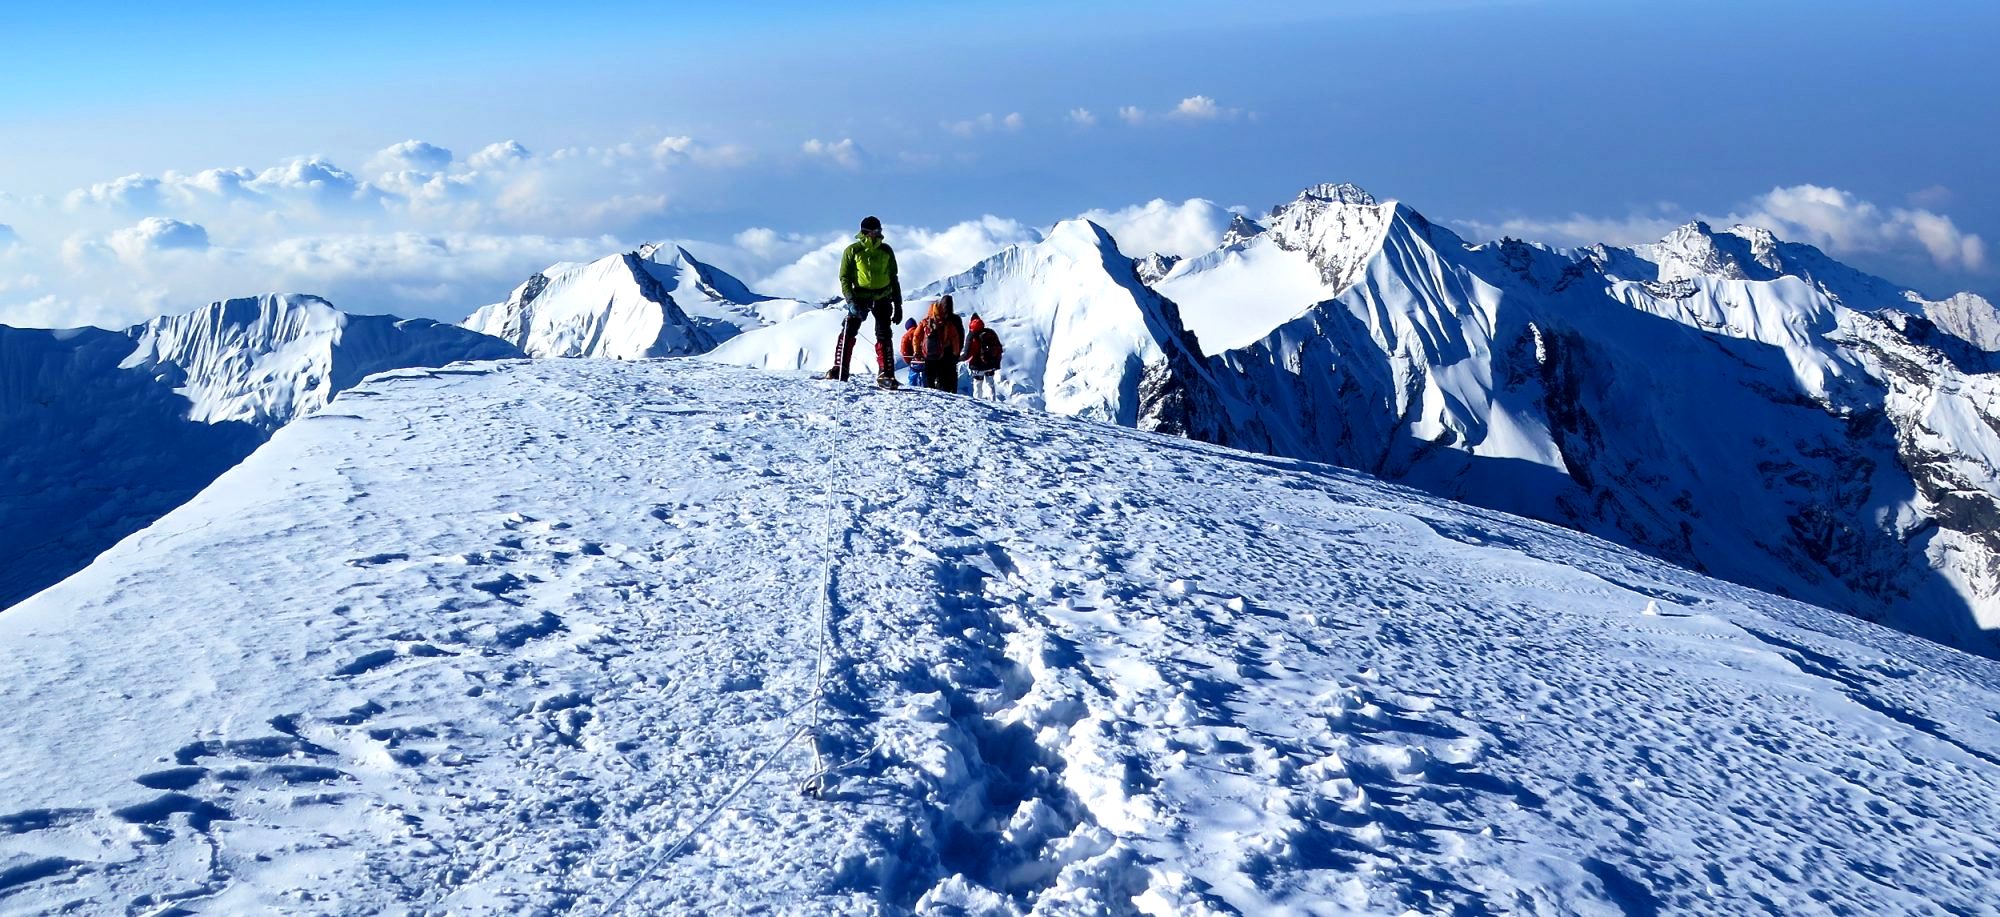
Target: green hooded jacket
pixel 868 271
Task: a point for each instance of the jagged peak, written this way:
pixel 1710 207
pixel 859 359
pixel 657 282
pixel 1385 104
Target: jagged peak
pixel 1241 229
pixel 1339 193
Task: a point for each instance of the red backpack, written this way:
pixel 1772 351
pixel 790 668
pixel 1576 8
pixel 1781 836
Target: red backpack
pixel 985 350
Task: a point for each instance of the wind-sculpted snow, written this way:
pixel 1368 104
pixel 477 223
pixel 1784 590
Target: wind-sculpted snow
pixel 500 638
pixel 105 431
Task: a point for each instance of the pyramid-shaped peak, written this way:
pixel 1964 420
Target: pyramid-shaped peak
pixel 1241 229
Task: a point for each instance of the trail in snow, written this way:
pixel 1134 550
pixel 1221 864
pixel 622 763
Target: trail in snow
pixel 491 639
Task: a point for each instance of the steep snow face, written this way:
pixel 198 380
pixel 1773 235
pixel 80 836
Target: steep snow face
pixel 1769 430
pixel 542 637
pixel 105 431
pixel 1259 277
pixel 268 359
pixel 1083 335
pixel 656 302
pixel 1968 317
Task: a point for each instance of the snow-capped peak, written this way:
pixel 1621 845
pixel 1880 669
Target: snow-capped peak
pixel 1338 227
pixel 1154 267
pixel 1340 193
pixel 1241 229
pixel 266 359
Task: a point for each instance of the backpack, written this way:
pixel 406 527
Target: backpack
pixel 938 338
pixel 986 350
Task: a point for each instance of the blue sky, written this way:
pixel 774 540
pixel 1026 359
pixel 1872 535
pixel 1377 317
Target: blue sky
pixel 1563 121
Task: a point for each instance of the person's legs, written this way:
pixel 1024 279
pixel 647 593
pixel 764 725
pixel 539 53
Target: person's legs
pixel 843 346
pixel 885 360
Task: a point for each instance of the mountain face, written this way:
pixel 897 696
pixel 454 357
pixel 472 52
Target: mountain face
pixel 108 430
pixel 658 301
pixel 570 636
pixel 1746 406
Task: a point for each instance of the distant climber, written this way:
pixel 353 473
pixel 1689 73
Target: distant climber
pixel 869 283
pixel 907 349
pixel 939 339
pixel 982 358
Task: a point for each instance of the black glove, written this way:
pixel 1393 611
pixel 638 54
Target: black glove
pixel 897 317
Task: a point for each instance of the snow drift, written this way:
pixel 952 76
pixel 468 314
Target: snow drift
pixel 532 637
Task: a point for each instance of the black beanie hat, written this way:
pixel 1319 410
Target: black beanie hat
pixel 871 224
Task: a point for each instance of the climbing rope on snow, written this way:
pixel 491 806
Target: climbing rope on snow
pixel 815 784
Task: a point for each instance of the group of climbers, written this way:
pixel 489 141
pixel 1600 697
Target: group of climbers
pixel 931 348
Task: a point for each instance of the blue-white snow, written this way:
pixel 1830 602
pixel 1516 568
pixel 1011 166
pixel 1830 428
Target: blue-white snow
pixel 497 638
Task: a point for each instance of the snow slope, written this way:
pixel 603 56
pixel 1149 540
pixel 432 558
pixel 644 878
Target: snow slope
pixel 655 302
pixel 104 431
pixel 531 637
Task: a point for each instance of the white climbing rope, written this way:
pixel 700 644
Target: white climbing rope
pixel 815 783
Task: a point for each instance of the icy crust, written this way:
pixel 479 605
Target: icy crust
pixel 104 431
pixel 493 639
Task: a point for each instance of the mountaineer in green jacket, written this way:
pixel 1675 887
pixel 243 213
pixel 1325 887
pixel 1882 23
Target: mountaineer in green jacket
pixel 869 283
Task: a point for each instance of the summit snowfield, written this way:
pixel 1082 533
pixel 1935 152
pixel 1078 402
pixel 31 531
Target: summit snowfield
pixel 532 637
pixel 1724 399
pixel 105 431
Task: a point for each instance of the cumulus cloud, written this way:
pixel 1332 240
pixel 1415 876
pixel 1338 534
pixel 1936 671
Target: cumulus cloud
pixel 157 234
pixel 130 192
pixel 986 123
pixel 412 155
pixel 1198 107
pixel 1132 114
pixel 1841 222
pixel 842 152
pixel 1082 117
pixel 499 155
pixel 1192 227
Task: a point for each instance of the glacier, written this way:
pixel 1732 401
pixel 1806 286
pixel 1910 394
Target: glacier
pixel 543 636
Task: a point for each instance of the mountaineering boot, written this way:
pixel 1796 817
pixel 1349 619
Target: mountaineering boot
pixel 885 366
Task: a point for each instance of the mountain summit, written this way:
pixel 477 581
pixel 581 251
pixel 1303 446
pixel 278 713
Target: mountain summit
pixel 576 642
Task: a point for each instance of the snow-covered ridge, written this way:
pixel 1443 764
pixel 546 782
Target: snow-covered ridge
pixel 107 430
pixel 510 657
